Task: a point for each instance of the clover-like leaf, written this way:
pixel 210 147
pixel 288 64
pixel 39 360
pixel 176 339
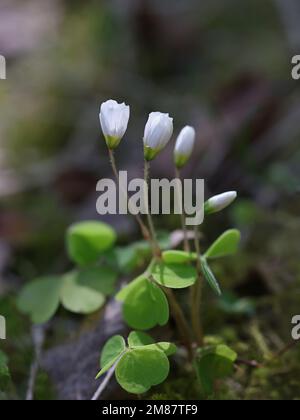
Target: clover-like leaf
pixel 133 256
pixel 145 305
pixel 178 257
pixel 212 363
pixel 40 298
pixel 141 339
pixel 210 277
pixel 79 299
pixel 167 348
pixel 141 368
pixel 111 352
pixel 101 279
pixel 174 276
pixel 226 244
pixel 126 290
pixel 86 241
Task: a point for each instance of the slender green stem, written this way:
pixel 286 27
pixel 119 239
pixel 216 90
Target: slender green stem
pixel 183 219
pixel 143 227
pixel 196 295
pixel 180 320
pixel 156 247
pixel 177 312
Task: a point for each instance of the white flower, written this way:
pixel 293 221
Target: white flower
pixel 114 119
pixel 220 202
pixel 184 146
pixel 158 131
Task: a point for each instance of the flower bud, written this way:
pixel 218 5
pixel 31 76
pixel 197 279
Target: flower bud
pixel 220 202
pixel 158 131
pixel 184 146
pixel 114 119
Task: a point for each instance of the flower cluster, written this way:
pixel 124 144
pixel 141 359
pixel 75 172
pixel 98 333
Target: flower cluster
pixel 114 118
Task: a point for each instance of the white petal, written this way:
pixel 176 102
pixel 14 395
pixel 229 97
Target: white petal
pixel 158 130
pixel 185 141
pixel 114 118
pixel 220 202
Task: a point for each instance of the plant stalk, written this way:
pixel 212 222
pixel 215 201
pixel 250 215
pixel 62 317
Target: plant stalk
pixel 156 247
pixel 177 312
pixel 196 296
pixel 182 216
pixel 143 227
pixel 181 322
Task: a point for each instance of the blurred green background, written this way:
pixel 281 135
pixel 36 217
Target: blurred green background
pixel 223 66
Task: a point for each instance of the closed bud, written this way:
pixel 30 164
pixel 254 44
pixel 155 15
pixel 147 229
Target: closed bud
pixel 220 202
pixel 158 131
pixel 184 146
pixel 114 119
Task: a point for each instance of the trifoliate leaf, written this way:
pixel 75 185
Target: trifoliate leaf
pixel 175 276
pixel 212 363
pixel 141 368
pixel 133 256
pixel 126 290
pixel 138 338
pixel 226 244
pixel 40 298
pixel 145 305
pixel 86 241
pixel 178 257
pixel 167 348
pixel 210 277
pixel 111 352
pixel 79 299
pixel 101 279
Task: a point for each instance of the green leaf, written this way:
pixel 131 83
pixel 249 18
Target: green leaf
pixel 79 299
pixel 226 244
pixel 214 363
pixel 40 298
pixel 86 241
pixel 167 348
pixel 210 277
pixel 145 306
pixel 111 352
pixel 133 256
pixel 138 338
pixel 175 276
pixel 141 368
pixel 101 279
pixel 126 290
pixel 178 257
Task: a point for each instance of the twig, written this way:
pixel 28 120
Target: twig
pixel 287 348
pixel 250 363
pixel 38 334
pixel 104 383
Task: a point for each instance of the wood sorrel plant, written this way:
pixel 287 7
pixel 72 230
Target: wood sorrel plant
pixel 149 299
pixel 141 363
